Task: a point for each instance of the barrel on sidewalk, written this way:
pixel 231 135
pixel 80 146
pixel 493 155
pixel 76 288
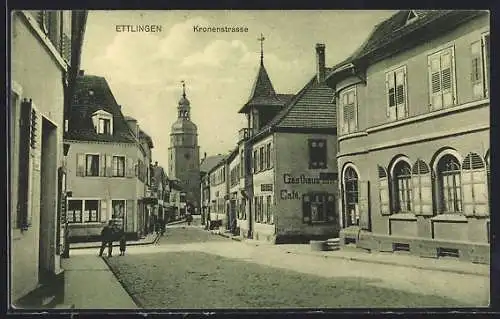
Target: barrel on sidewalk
pixel 325 245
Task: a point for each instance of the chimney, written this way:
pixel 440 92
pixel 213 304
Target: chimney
pixel 320 62
pixel 81 72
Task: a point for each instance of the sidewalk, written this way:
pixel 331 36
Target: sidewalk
pixel 396 259
pixel 149 239
pixel 90 284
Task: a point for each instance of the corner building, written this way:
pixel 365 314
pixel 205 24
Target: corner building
pixel 413 105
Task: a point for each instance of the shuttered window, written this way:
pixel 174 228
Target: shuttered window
pixel 262 163
pixel 317 154
pixel 396 88
pixel 364 205
pixel 349 111
pixel 255 162
pixel 119 166
pixel 383 186
pixel 442 79
pixel 92 165
pixel 486 62
pixel 402 186
pixel 422 188
pixel 474 186
pixel 449 185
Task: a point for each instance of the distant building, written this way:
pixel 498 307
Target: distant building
pixel 413 104
pixel 45 56
pixel 108 163
pixel 206 166
pixel 184 153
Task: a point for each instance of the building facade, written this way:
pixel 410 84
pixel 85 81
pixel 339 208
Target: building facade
pixel 206 166
pixel 108 165
pixel 184 159
pixel 218 213
pixel 291 168
pixel 413 105
pixel 45 52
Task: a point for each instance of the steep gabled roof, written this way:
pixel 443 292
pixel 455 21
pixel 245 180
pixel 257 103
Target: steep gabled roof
pixel 263 93
pixel 208 163
pixel 92 93
pixel 311 107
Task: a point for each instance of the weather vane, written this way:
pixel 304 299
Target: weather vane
pixel 183 88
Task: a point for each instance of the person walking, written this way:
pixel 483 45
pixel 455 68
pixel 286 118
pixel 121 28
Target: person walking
pixel 107 239
pixel 123 243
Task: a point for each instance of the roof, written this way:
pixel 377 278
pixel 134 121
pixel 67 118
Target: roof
pixel 208 163
pixel 395 33
pixel 263 93
pixel 92 93
pixel 311 107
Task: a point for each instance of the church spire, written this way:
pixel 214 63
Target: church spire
pixel 261 39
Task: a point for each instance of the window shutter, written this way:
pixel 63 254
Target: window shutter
pixel 476 70
pixel 109 165
pixel 486 63
pixel 384 192
pixel 24 164
pixel 330 208
pixel 447 78
pixel 401 93
pixel 102 165
pixel 340 109
pixel 391 97
pixel 422 189
pixel 80 164
pixel 130 167
pixel 355 110
pixel 364 204
pixel 129 215
pixel 435 82
pixel 474 186
pixel 104 210
pixel 306 208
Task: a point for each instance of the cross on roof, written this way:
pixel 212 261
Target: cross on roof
pixel 261 39
pixel 183 88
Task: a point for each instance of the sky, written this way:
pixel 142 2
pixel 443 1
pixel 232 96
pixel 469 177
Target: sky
pixel 145 70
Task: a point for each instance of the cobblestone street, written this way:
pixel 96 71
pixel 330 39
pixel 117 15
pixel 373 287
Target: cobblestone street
pixel 192 268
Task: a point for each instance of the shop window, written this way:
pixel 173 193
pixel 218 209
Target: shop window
pixel 317 154
pixel 475 186
pixel 402 187
pixel 75 210
pixel 91 211
pixel 449 185
pixel 318 208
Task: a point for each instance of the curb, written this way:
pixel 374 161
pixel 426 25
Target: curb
pixel 155 239
pixel 134 299
pixel 357 259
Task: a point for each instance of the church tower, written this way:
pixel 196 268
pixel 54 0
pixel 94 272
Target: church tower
pixel 184 152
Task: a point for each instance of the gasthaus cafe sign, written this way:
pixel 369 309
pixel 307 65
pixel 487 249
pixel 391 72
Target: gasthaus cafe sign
pixel 289 179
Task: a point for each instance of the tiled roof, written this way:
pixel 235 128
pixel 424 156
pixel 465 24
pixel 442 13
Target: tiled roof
pixel 208 163
pixel 311 107
pixel 394 31
pixel 263 93
pixel 92 93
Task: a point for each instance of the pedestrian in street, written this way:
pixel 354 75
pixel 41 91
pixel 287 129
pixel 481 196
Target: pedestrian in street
pixel 123 244
pixel 107 239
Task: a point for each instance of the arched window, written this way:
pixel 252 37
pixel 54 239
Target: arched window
pixel 351 197
pixel 383 191
pixel 422 188
pixel 402 187
pixel 449 184
pixel 474 186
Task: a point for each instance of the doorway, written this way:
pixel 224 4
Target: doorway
pixel 48 197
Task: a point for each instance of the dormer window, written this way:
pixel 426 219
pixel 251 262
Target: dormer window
pixel 103 122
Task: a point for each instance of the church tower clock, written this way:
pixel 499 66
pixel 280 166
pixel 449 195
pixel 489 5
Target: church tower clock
pixel 184 152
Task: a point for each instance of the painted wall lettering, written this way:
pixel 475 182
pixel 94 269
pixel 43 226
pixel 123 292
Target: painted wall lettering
pixel 323 178
pixel 289 195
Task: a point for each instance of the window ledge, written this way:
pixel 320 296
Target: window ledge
pixel 449 218
pixel 403 216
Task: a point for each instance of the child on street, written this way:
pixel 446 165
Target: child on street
pixel 123 244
